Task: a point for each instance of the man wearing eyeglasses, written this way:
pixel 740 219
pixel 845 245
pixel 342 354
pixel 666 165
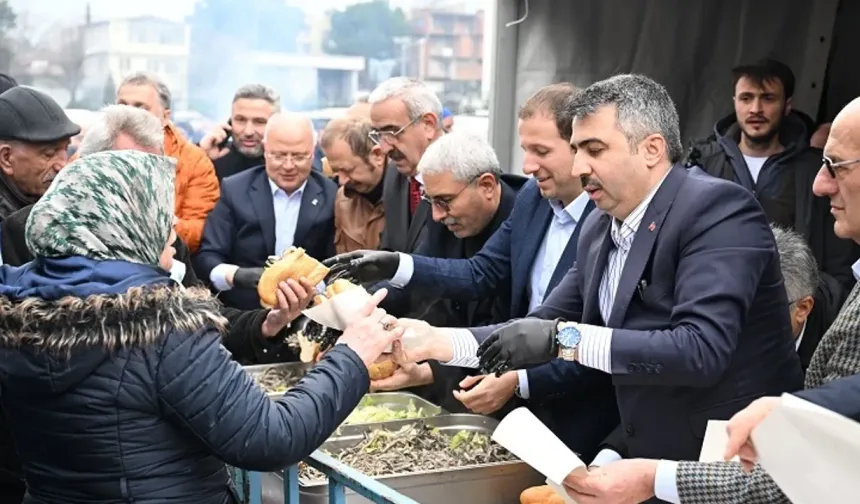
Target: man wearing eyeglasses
pixel 527 258
pixel 267 209
pixel 764 146
pixel 406 118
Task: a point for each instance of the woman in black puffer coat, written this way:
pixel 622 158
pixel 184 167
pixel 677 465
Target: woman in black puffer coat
pixel 113 378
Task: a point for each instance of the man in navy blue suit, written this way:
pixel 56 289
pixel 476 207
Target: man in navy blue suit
pixel 679 295
pixel 265 210
pixel 527 257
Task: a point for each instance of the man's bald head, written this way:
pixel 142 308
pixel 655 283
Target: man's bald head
pixel 839 176
pixel 289 121
pixel 289 148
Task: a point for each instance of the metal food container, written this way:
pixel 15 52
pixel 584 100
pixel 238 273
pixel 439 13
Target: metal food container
pixel 498 483
pixel 395 401
pixel 296 370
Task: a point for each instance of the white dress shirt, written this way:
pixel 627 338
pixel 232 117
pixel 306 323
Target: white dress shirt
pixel 287 208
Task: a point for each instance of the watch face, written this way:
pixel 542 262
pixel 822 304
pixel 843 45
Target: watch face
pixel 569 337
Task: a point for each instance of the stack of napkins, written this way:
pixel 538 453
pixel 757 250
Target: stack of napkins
pixel 812 453
pixel 541 449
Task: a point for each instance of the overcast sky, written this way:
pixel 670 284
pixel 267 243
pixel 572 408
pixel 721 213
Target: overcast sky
pixel 51 11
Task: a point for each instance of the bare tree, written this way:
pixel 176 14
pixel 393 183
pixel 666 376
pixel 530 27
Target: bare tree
pixel 66 58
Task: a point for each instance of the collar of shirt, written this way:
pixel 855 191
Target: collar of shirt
pixel 855 268
pixel 623 232
pixel 800 337
pixel 572 212
pixel 419 179
pixel 298 191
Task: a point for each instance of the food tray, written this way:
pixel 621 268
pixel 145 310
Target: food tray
pixel 395 401
pixel 299 369
pixel 497 483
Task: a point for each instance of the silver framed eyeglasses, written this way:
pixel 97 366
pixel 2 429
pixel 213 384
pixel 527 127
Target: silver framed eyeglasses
pixel 833 168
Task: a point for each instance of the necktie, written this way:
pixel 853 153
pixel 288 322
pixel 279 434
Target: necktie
pixel 414 195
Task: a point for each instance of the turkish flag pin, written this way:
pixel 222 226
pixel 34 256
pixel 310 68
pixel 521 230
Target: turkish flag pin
pixel 652 227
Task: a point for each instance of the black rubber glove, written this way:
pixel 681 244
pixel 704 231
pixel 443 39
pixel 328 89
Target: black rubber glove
pixel 364 266
pixel 247 278
pixel 521 343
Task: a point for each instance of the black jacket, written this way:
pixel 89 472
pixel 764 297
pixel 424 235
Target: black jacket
pixel 784 190
pixel 442 243
pixel 234 162
pixel 156 418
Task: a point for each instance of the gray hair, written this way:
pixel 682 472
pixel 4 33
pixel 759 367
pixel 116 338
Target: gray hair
pixel 144 128
pixel 418 97
pixel 148 79
pixel 466 155
pixel 643 108
pixel 259 92
pixel 799 269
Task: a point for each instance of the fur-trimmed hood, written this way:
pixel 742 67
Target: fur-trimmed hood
pixel 49 346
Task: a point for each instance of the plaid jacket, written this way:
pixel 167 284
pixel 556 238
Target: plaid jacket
pixel 837 356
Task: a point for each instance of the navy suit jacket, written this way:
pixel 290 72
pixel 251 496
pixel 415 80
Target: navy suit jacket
pixel 700 321
pixel 841 396
pixel 505 264
pixel 240 229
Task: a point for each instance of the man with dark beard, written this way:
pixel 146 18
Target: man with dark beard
pixel 253 105
pixel 764 147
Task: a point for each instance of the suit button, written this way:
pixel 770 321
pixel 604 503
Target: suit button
pixel 630 430
pixel 658 368
pixel 631 368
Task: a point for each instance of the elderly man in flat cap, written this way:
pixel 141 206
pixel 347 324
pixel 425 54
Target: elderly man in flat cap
pixel 34 135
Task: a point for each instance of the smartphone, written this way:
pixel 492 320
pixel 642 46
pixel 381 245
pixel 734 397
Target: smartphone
pixel 229 138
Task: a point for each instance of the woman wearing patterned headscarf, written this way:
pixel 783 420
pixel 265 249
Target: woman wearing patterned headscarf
pixel 113 378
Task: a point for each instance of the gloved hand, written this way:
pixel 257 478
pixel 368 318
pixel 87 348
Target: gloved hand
pixel 247 278
pixel 521 343
pixel 364 266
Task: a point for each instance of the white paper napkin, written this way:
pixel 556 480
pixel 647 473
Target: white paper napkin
pixel 529 439
pixel 339 310
pixel 813 454
pixel 716 440
pixel 559 489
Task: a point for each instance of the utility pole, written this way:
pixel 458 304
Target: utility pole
pixel 404 43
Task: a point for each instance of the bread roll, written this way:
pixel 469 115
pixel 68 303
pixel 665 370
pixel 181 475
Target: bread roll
pixel 382 369
pixel 338 286
pixel 295 264
pixel 309 350
pixel 543 494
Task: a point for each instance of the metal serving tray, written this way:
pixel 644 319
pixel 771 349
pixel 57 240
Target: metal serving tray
pixel 297 369
pixel 498 483
pixel 395 401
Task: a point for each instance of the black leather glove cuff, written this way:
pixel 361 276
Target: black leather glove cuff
pixel 247 278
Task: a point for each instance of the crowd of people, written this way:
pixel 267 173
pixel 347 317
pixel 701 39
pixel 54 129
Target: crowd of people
pixel 625 289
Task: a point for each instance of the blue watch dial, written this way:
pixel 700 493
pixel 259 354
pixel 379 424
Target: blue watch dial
pixel 569 337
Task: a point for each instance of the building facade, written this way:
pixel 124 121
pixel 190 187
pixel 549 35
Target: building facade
pixel 448 52
pixel 116 48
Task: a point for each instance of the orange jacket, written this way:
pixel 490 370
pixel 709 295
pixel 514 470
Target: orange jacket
pixel 196 189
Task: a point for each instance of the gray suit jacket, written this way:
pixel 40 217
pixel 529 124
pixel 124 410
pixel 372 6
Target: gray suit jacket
pixel 837 357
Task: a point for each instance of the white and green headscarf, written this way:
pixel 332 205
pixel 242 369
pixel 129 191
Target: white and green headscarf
pixel 114 205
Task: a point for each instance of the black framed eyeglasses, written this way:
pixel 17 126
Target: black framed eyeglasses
pixel 444 203
pixel 378 136
pixel 833 168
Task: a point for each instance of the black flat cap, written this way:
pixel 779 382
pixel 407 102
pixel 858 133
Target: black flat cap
pixel 29 115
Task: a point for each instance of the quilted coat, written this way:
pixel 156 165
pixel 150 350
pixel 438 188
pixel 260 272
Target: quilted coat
pixel 129 396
